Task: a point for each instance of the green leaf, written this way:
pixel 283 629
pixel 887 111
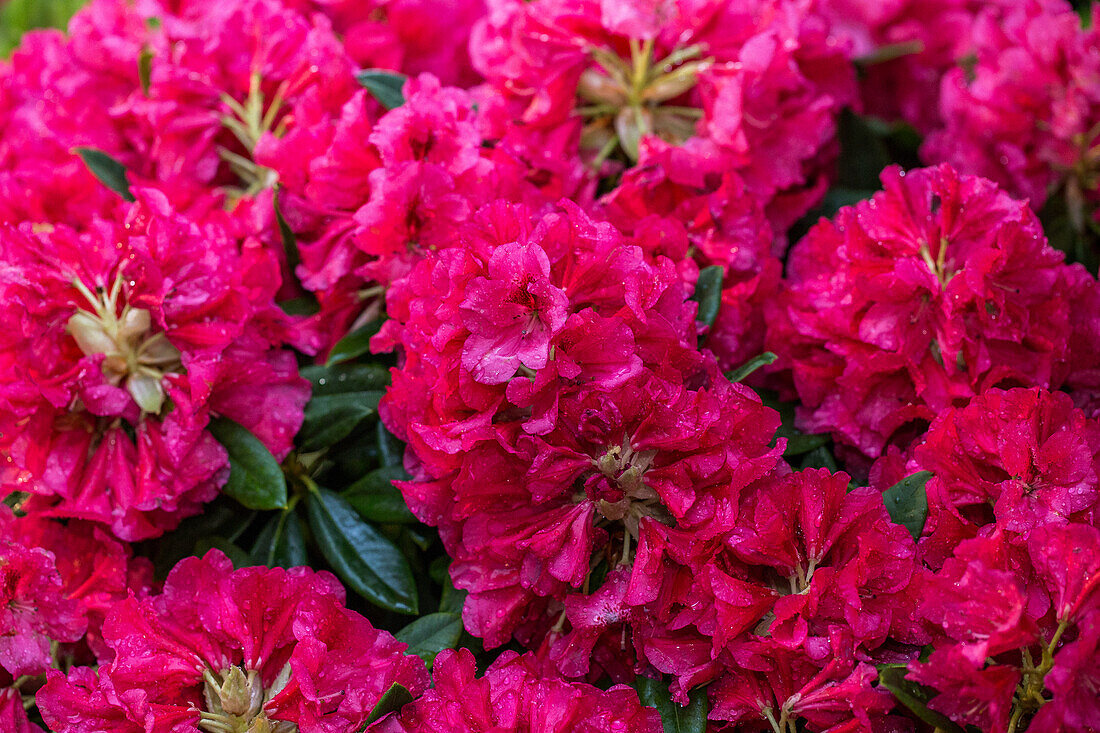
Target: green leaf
pixel 355 344
pixel 864 154
pixel 385 86
pixel 914 696
pixel 366 561
pixel 799 443
pixel 819 457
pixel 236 555
pixel 331 418
pixel 750 366
pixel 431 634
pixel 290 242
pixel 676 718
pixel 109 171
pixel 343 396
pixel 708 294
pixel 907 502
pixel 393 700
pixel 390 449
pixel 281 543
pixel 255 478
pixel 305 305
pixel 376 498
pixel 344 378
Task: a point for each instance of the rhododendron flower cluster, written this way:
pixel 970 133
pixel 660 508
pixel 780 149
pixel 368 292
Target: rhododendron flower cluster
pixel 1024 112
pixel 120 341
pixel 221 649
pixel 755 85
pixel 579 366
pixel 930 292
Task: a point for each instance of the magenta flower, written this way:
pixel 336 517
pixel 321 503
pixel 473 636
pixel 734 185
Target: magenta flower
pixel 513 696
pixel 580 478
pixel 512 314
pixel 937 288
pixel 1017 619
pixel 35 610
pixel 121 341
pixel 1027 457
pixel 573 84
pixel 256 649
pixel 1023 112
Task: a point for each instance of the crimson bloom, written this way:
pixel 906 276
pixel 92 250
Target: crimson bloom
pixel 120 341
pixel 935 289
pixel 222 649
pixel 513 696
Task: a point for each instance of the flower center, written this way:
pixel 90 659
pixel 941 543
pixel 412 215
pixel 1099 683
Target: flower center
pixel 235 700
pixel 624 497
pixel 134 359
pixel 626 98
pixel 938 265
pixel 248 122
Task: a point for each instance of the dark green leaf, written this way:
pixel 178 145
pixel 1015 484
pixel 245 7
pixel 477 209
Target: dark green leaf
pixel 799 443
pixel 281 543
pixel 395 698
pixel 343 378
pixel 376 498
pixel 750 366
pixel 355 344
pixel 690 718
pixel 431 634
pixel 109 171
pixel 236 555
pixel 863 152
pixel 914 696
pixel 390 449
pixel 368 562
pixel 1064 222
pixel 819 457
pixel 331 418
pixel 385 86
pixel 303 306
pixel 907 502
pixel 708 294
pixel 255 478
pixel 290 242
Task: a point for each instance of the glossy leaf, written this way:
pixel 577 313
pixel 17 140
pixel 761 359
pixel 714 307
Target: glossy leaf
pixel 708 294
pixel 255 477
pixel 907 502
pixel 385 86
pixel 355 344
pixel 431 634
pixel 109 171
pixel 281 543
pixel 690 718
pixel 329 419
pixel 376 498
pixel 343 378
pixel 393 700
pixel 367 562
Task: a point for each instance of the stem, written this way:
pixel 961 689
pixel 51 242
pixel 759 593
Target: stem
pixel 1014 722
